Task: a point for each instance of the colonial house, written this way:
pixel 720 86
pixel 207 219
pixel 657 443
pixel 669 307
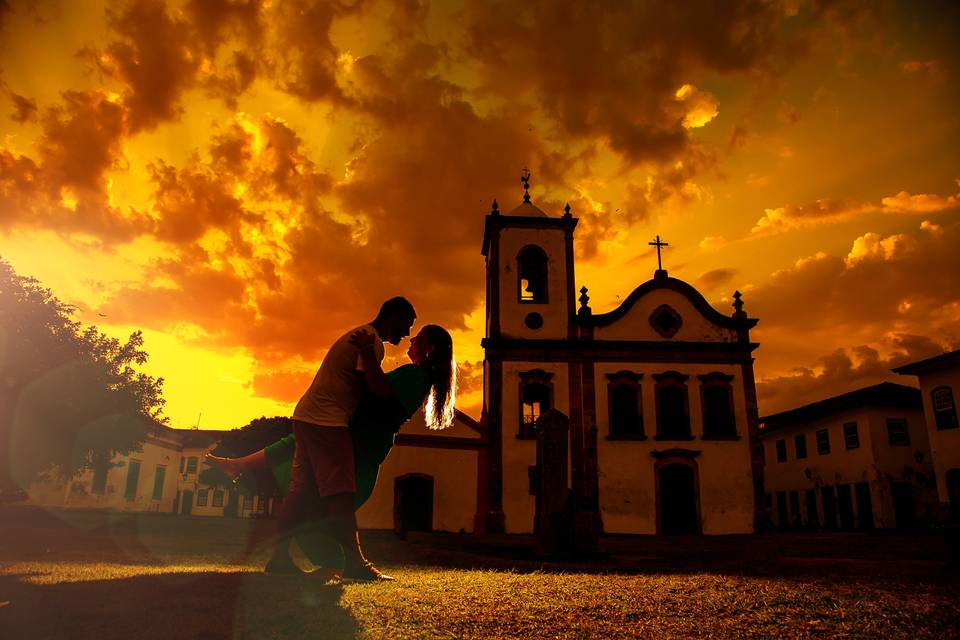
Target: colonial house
pixel 939 379
pixel 162 477
pixel 860 460
pixel 429 481
pixel 659 392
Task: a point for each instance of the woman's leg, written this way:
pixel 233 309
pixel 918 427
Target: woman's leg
pixel 233 467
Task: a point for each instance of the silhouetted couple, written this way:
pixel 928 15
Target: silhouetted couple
pixel 343 429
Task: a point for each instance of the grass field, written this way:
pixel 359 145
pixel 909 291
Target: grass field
pixel 86 575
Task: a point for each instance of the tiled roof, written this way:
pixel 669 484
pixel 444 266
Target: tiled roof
pixel 885 394
pixel 942 361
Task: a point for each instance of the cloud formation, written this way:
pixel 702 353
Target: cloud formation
pixel 65 186
pixel 886 289
pixel 844 370
pixel 401 121
pixel 829 211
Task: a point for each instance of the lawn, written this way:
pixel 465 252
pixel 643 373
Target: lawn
pixel 86 575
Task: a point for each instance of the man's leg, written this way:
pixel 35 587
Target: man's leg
pixel 300 501
pixel 332 459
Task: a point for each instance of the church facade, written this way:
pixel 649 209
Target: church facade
pixel 660 393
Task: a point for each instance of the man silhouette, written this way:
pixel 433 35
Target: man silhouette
pixel 322 480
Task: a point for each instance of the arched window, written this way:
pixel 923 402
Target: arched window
pixel 673 409
pixel 716 398
pixel 532 275
pixel 536 393
pixel 944 408
pixel 625 405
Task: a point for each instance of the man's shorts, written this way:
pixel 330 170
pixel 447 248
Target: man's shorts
pixel 326 454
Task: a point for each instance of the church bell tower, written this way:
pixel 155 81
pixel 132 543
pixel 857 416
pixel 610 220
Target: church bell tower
pixel 530 275
pixel 530 307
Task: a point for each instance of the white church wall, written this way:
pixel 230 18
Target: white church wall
pixel 554 311
pixel 520 454
pixel 635 325
pixel 628 496
pixel 454 473
pixel 726 487
pixel 626 467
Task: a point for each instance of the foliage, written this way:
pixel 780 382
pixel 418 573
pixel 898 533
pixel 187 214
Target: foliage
pixel 70 396
pixel 255 435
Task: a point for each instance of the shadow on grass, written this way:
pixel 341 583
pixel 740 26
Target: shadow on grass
pixel 150 539
pixel 782 556
pixel 206 606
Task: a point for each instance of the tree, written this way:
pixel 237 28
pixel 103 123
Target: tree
pixel 255 435
pixel 70 396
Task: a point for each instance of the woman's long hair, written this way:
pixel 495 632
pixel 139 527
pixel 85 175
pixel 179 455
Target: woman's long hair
pixel 443 377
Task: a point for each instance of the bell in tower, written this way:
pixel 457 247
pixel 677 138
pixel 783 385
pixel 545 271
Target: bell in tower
pixel 530 292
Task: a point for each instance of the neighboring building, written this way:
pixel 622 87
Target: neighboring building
pixel 162 477
pixel 860 460
pixel 939 383
pixel 660 392
pixel 429 481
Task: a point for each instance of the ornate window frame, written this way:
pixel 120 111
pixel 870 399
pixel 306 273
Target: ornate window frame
pixel 718 380
pixel 531 377
pixel 625 378
pixel 672 379
pixel 665 309
pixel 946 417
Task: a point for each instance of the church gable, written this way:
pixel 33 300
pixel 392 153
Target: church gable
pixel 667 309
pixel 463 427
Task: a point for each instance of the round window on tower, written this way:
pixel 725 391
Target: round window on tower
pixel 533 320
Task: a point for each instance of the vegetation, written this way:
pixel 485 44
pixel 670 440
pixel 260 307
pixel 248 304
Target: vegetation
pixel 77 575
pixel 70 396
pixel 253 436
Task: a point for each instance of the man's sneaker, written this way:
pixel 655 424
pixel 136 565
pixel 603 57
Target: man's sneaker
pixel 365 572
pixel 327 576
pixel 277 567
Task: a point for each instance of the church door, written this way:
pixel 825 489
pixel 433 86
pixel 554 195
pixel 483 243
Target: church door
pixel 677 500
pixel 952 478
pixel 413 503
pixel 187 504
pixel 904 509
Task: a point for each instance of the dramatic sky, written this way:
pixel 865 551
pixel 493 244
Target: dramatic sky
pixel 244 180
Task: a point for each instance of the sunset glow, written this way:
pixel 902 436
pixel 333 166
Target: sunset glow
pixel 245 180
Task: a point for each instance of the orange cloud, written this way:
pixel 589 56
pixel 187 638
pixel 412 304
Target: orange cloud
pixel 904 202
pixel 899 284
pixel 829 211
pixel 790 217
pixel 285 386
pixel 837 373
pixel 714 278
pixel 24 109
pixel 152 57
pixel 65 187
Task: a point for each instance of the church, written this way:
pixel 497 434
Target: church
pixel 659 392
pixel 657 398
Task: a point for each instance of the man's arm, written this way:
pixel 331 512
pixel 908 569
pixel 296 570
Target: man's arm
pixel 372 372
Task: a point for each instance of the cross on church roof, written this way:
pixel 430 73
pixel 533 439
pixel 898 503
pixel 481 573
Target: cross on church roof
pixel 659 244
